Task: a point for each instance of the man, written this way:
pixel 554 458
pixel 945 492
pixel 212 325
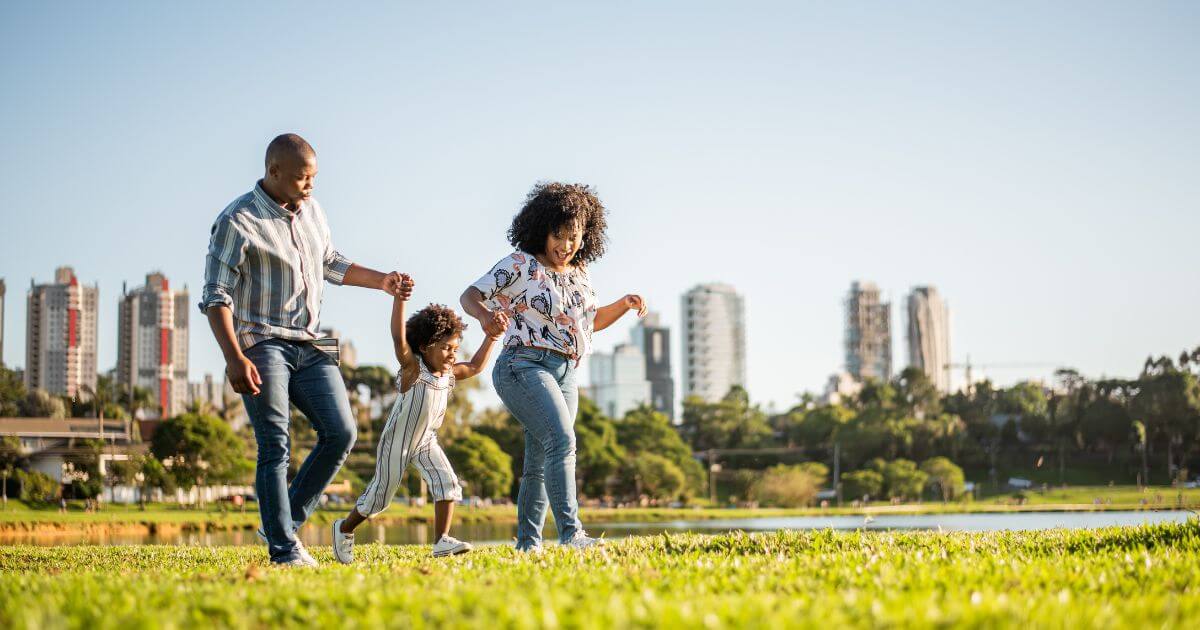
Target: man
pixel 268 258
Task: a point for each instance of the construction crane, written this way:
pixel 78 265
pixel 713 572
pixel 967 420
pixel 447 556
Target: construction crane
pixel 967 367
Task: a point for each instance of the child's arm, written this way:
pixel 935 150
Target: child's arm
pixel 608 315
pixel 408 360
pixel 467 369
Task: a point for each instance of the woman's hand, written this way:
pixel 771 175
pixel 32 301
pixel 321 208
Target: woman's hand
pixel 635 303
pixel 498 324
pixel 495 324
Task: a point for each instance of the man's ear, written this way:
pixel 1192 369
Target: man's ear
pixel 273 169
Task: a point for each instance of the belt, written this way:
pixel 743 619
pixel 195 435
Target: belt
pixel 559 353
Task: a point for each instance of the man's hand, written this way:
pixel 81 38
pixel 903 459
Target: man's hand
pixel 398 285
pixel 243 376
pixel 499 324
pixel 635 303
pixel 495 325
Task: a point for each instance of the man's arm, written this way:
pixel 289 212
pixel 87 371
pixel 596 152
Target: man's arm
pixel 390 283
pixel 242 373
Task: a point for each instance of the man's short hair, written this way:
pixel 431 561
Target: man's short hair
pixel 288 146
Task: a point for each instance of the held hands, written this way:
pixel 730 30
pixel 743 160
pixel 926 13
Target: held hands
pixel 243 376
pixel 635 303
pixel 498 324
pixel 398 285
pixel 495 326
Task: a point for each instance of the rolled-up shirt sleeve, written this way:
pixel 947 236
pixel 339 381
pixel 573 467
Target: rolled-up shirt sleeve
pixel 226 251
pixel 336 265
pixel 501 284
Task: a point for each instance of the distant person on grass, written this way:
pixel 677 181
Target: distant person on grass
pixel 427 347
pixel 545 289
pixel 268 259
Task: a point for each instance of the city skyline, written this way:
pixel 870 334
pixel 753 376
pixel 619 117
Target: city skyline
pixel 1041 155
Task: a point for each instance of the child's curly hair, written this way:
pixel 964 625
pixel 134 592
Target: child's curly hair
pixel 434 322
pixel 550 206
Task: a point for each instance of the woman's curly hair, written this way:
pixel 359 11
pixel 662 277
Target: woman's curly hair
pixel 434 322
pixel 549 207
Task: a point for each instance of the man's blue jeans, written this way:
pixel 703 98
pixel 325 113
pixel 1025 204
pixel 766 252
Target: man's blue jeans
pixel 295 372
pixel 539 389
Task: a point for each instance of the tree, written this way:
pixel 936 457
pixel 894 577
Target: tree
pixel 479 461
pixel 817 427
pixel 598 453
pixel 199 449
pixel 39 404
pixel 901 478
pixel 654 476
pixel 644 430
pixel 946 477
pixel 12 393
pixel 10 456
pixel 37 487
pixel 1168 400
pixel 917 396
pixel 498 425
pixel 787 486
pixel 731 422
pixel 863 483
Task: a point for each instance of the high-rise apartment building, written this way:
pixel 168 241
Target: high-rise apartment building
pixel 929 335
pixel 654 340
pixel 619 380
pixel 152 343
pixel 868 333
pixel 714 341
pixel 60 335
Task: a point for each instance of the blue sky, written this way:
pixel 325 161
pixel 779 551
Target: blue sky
pixel 1035 161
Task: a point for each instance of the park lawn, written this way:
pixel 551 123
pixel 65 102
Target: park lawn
pixel 1136 577
pixel 157 517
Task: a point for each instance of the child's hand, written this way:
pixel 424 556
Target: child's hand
pixel 493 326
pixel 499 323
pixel 398 285
pixel 635 303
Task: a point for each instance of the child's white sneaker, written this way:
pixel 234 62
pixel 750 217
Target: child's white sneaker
pixel 582 541
pixel 448 545
pixel 343 544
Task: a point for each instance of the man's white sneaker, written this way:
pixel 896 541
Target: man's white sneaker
pixel 448 545
pixel 303 561
pixel 312 562
pixel 343 544
pixel 582 541
pixel 535 550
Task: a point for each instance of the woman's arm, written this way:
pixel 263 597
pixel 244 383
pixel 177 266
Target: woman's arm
pixel 467 369
pixel 608 315
pixel 472 302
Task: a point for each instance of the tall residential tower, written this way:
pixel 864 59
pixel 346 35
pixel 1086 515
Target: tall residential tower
pixel 929 335
pixel 152 343
pixel 868 333
pixel 714 341
pixel 60 335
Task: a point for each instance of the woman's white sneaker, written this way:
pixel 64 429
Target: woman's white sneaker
pixel 582 541
pixel 448 545
pixel 343 544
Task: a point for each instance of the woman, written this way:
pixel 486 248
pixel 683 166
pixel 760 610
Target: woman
pixel 545 290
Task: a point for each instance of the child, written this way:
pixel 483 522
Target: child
pixel 426 347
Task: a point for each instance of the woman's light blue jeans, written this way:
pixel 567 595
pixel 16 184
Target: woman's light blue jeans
pixel 539 389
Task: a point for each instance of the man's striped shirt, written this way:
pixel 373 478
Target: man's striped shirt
pixel 267 264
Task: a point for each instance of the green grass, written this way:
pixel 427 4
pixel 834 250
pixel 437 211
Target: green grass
pixel 22 518
pixel 1112 578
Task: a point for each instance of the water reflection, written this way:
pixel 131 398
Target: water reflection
pixel 503 533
